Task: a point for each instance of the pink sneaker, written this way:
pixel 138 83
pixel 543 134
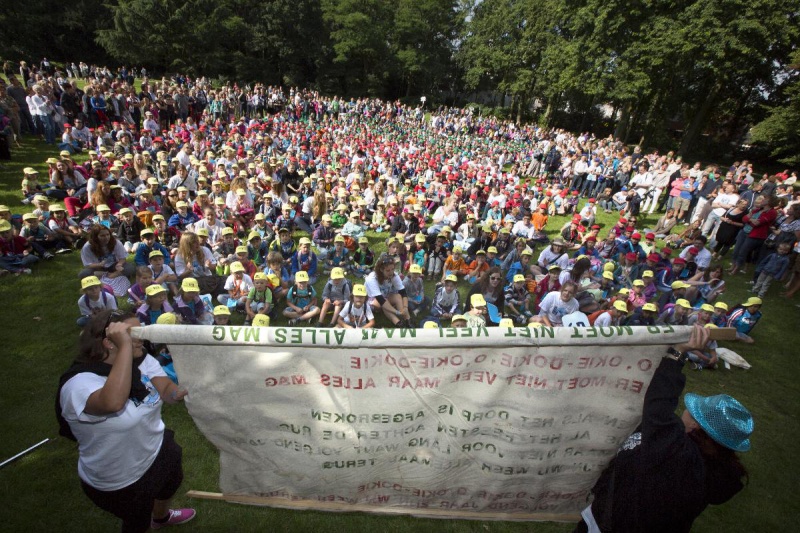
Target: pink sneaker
pixel 176 518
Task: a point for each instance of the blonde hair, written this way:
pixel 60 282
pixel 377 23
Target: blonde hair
pixel 189 248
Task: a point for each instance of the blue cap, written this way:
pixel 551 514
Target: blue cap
pixel 723 418
pixel 624 188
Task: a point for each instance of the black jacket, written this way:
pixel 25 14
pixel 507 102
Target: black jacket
pixel 659 480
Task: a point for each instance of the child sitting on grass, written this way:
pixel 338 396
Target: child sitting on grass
pixel 155 305
pixel 222 315
pixel 356 313
pixel 189 306
pixel 335 294
pixel 238 286
pixel 363 259
pixel 136 294
pixel 94 300
pixel 301 300
pixel 415 290
pixel 259 299
pixel 517 300
pixel 162 274
pixel 338 256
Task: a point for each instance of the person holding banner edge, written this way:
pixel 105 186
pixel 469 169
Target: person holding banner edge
pixel 667 472
pixel 129 463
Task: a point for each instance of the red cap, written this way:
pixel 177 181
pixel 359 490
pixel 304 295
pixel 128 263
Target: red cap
pixel 623 220
pixel 596 226
pixel 679 261
pixel 543 206
pixel 666 250
pixel 631 256
pixel 67 125
pixel 637 236
pixel 650 236
pixel 591 238
pixel 655 258
pixel 575 193
pixel 693 250
pixel 630 228
pixel 576 219
pixel 592 200
pixel 495 203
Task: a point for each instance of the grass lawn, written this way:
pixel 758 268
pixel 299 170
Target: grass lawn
pixel 39 339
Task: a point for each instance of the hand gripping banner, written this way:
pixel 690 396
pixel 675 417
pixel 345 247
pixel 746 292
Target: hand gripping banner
pixel 503 424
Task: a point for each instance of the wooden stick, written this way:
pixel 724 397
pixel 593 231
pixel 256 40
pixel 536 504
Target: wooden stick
pixel 23 452
pixel 314 505
pixel 723 334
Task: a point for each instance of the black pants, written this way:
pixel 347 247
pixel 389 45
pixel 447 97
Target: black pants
pixel 134 504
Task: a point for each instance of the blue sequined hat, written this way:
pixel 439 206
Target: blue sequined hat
pixel 724 419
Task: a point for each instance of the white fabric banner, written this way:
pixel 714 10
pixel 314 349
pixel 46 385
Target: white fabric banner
pixel 512 424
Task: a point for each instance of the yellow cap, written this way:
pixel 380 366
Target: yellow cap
pixel 491 250
pixel 430 324
pixel 181 204
pixel 721 305
pixel 683 302
pixel 253 235
pixel 679 285
pixel 155 253
pixel 359 290
pixel 190 285
pixel 102 207
pixel 608 275
pixel 638 283
pixel 236 266
pixel 707 308
pixel 337 273
pixel 241 249
pixel 648 274
pixel 650 307
pixel 5 225
pixel 753 301
pixel 608 267
pixel 457 317
pixel 419 237
pixel 261 321
pixel 619 305
pixel 624 291
pixel 89 281
pixel 168 319
pixel 29 216
pixel 451 277
pixel 202 232
pixel 506 323
pixel 711 326
pixel 304 240
pixel 301 276
pixel 477 300
pixel 222 310
pixel 415 269
pixel 125 211
pixel 258 276
pixel 273 280
pixel 153 290
pixel 340 238
pixel 518 278
pixel 227 231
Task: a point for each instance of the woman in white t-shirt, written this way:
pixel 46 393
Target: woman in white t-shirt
pixel 111 398
pixel 558 304
pixel 386 292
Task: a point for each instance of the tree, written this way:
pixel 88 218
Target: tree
pixel 780 131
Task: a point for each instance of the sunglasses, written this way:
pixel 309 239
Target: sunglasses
pixel 172 195
pixel 495 278
pixel 115 316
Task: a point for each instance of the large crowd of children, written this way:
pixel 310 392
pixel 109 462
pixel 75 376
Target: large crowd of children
pixel 199 217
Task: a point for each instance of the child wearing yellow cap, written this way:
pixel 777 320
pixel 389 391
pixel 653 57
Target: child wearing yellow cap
pixel 155 305
pixel 94 299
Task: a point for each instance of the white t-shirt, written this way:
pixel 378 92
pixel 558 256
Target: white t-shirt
pixel 89 307
pixel 555 309
pixel 114 450
pixel 728 200
pixel 390 286
pixel 355 316
pixel 244 286
pixel 576 319
pixel 604 320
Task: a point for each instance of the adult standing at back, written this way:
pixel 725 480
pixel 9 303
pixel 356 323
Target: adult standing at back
pixel 756 229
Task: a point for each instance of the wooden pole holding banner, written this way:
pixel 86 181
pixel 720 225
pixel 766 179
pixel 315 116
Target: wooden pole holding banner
pixel 723 334
pixel 314 505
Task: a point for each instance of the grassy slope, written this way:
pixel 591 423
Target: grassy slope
pixel 39 339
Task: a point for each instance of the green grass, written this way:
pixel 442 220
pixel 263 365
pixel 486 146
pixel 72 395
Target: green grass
pixel 42 491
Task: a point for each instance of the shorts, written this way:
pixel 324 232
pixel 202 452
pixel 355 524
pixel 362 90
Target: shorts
pixel 134 504
pixel 682 204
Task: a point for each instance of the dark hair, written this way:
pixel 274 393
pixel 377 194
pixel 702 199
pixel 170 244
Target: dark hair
pixel 90 345
pixel 715 452
pixel 94 243
pixel 382 261
pixel 483 282
pixel 579 268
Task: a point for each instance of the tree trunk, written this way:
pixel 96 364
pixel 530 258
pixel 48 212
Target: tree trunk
pixel 586 113
pixel 624 121
pixel 732 133
pixel 648 121
pixel 700 119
